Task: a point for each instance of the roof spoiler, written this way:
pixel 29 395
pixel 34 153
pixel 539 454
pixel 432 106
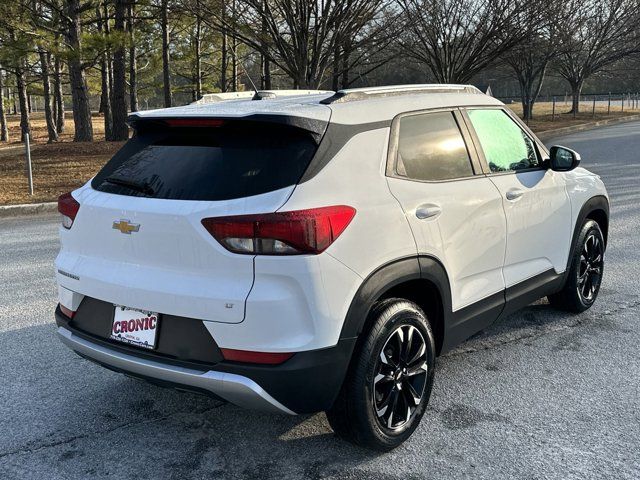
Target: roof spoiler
pixel 161 123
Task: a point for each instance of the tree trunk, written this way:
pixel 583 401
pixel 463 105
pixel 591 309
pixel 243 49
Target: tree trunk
pixel 224 63
pixel 4 131
pixel 266 64
pixel 234 52
pixel 166 71
pixel 576 91
pixel 119 102
pixel 79 94
pixel 335 75
pixel 133 79
pixel 198 54
pixel 105 87
pixel 234 65
pixel 344 83
pixel 52 131
pixel 57 94
pixel 25 125
pixel 197 46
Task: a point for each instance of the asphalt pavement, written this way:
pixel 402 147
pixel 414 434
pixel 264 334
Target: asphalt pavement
pixel 542 394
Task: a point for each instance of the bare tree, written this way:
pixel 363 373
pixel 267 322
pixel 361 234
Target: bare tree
pixel 23 101
pixel 530 59
pixel 456 39
pixel 118 101
pixel 133 76
pixel 597 34
pixel 4 131
pixel 369 46
pixel 105 90
pixel 166 66
pixel 58 97
pixel 79 92
pixel 299 36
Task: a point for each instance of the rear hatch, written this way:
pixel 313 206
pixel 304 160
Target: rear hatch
pixel 138 240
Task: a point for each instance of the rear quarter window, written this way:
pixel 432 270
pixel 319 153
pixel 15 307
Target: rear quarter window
pixel 236 160
pixel 431 148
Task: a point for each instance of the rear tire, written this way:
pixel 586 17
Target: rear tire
pixel 585 271
pixel 388 385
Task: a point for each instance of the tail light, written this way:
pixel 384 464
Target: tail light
pixel 66 311
pixel 68 208
pixel 245 356
pixel 281 233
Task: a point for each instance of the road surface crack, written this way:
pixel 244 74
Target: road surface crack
pixel 65 441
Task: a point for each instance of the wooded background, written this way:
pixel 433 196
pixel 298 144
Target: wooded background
pixel 118 56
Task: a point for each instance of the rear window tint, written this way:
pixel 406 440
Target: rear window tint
pixel 232 161
pixel 431 148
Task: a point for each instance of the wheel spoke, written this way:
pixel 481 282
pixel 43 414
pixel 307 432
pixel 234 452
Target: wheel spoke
pixel 394 403
pixel 406 346
pixel 596 248
pixel 383 406
pixel 586 288
pixel 417 369
pixel 414 396
pixel 419 353
pixel 387 360
pixel 582 278
pixel 380 378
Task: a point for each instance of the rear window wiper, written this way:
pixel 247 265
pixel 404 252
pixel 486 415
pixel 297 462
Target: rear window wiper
pixel 143 187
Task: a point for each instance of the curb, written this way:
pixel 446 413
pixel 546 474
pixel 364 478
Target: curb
pixel 559 132
pixel 28 209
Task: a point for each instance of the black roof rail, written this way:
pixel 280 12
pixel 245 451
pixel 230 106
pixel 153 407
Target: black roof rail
pixel 352 95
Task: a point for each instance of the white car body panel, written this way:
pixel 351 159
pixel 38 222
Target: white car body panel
pixel 379 232
pixel 171 265
pixel 539 225
pixel 297 303
pixel 472 261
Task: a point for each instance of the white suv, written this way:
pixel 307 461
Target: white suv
pixel 315 251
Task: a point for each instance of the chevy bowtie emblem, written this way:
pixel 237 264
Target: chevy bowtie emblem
pixel 126 227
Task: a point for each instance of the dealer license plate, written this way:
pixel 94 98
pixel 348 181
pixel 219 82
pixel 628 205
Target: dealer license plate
pixel 135 327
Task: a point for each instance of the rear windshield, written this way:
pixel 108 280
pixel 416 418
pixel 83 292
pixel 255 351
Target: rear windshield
pixel 232 161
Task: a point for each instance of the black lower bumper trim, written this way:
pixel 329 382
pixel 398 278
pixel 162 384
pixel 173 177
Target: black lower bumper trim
pixel 306 383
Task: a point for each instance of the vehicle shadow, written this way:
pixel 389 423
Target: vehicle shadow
pixel 74 419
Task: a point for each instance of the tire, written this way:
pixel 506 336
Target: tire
pixel 380 372
pixel 585 271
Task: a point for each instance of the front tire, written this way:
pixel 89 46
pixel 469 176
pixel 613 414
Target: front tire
pixel 388 385
pixel 585 271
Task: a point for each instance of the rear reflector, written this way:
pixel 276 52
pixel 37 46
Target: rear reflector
pixel 66 311
pixel 194 122
pixel 282 233
pixel 245 356
pixel 68 208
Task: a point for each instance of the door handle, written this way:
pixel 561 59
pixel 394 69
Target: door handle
pixel 428 210
pixel 514 194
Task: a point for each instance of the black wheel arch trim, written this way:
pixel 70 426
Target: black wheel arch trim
pixel 389 275
pixel 594 204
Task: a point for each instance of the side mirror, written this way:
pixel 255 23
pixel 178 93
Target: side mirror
pixel 563 159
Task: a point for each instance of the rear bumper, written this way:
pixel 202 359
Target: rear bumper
pixel 233 388
pixel 308 382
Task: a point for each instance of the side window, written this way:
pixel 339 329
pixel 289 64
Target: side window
pixel 431 147
pixel 506 146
